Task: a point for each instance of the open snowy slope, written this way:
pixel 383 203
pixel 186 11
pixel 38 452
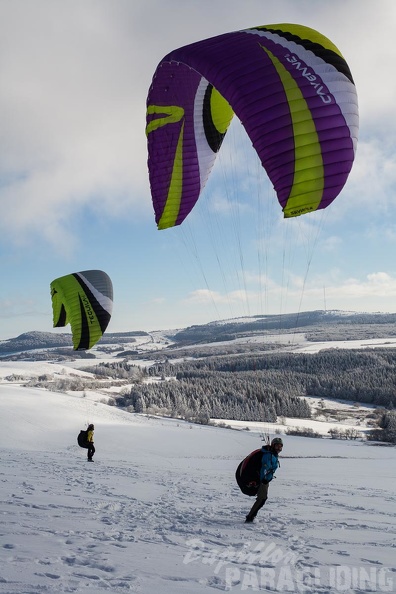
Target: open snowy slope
pixel 159 510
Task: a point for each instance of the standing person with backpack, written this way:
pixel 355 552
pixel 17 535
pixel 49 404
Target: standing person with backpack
pixel 269 464
pixel 90 442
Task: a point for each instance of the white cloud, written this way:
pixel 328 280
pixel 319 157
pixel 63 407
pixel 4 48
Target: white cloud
pixel 19 306
pixel 158 300
pixel 312 293
pixel 73 122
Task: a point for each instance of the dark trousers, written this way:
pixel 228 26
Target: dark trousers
pixel 91 450
pixel 261 498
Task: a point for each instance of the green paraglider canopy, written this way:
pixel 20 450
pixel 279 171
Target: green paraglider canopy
pixel 85 301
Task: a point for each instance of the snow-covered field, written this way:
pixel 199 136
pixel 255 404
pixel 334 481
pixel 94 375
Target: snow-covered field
pixel 159 509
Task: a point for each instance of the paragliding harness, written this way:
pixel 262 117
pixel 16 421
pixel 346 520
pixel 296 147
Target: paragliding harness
pixel 82 438
pixel 248 473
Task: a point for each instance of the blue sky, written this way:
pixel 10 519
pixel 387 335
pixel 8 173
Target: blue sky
pixel 74 190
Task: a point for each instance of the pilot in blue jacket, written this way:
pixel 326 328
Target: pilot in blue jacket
pixel 269 464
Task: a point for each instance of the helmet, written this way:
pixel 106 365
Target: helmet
pixel 277 441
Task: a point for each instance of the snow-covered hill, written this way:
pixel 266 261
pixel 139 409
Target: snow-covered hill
pixel 159 509
pixel 288 330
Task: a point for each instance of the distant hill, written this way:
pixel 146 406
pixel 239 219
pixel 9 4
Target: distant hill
pixel 316 325
pixel 50 340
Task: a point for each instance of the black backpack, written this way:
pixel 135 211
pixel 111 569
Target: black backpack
pixel 82 438
pixel 248 473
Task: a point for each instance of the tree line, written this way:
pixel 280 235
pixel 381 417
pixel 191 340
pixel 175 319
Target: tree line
pixel 367 376
pixel 219 395
pixel 269 385
pixel 258 386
